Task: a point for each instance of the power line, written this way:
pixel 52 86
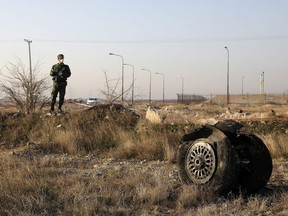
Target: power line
pixel 157 41
pixel 11 40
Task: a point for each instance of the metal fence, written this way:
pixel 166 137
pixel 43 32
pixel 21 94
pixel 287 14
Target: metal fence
pixel 190 98
pixel 235 99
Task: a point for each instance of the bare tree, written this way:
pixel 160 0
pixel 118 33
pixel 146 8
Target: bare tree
pixel 110 91
pixel 20 88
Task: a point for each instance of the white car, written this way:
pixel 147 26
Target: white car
pixel 92 101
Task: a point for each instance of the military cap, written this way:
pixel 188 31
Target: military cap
pixel 60 56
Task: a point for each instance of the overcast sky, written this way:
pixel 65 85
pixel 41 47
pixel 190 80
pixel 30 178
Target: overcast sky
pixel 177 38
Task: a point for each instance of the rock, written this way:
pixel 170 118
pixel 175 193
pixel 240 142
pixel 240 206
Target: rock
pixel 153 116
pixel 210 121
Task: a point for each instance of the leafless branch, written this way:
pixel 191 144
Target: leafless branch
pixel 110 92
pixel 22 89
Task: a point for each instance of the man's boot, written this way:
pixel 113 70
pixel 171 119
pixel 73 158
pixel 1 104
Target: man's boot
pixel 59 108
pixel 52 108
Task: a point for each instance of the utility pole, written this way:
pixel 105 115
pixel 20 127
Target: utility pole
pixel 30 84
pixel 262 83
pixel 30 63
pixel 182 98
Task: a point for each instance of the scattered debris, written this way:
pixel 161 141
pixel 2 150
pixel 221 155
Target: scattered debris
pixel 153 116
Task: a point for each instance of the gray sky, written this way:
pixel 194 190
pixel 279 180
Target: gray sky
pixel 177 38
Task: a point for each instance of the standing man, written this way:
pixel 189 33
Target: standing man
pixel 60 72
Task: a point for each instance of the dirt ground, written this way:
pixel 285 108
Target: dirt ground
pixel 106 173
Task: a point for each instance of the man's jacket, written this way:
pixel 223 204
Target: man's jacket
pixel 60 72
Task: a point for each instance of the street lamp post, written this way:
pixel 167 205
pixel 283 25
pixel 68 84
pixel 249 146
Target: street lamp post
pixel 122 96
pixel 132 99
pixel 182 98
pixel 163 76
pixel 228 99
pixel 149 85
pixel 262 83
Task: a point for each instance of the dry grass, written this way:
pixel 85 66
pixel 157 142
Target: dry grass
pixel 65 185
pixel 87 132
pixel 95 163
pixel 191 196
pixel 51 187
pixel 147 143
pixel 277 144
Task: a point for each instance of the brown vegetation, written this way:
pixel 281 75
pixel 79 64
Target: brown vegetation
pixel 109 162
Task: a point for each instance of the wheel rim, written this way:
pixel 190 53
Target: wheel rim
pixel 200 162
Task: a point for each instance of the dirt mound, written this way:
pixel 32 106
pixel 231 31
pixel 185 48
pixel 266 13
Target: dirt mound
pixel 115 112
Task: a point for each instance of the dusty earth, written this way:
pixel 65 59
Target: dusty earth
pixel 97 170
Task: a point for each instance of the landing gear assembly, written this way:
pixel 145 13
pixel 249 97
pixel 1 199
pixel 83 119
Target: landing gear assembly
pixel 224 158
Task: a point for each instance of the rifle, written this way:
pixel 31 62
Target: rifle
pixel 60 74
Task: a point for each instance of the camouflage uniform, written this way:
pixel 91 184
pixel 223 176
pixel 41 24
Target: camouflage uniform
pixel 60 72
